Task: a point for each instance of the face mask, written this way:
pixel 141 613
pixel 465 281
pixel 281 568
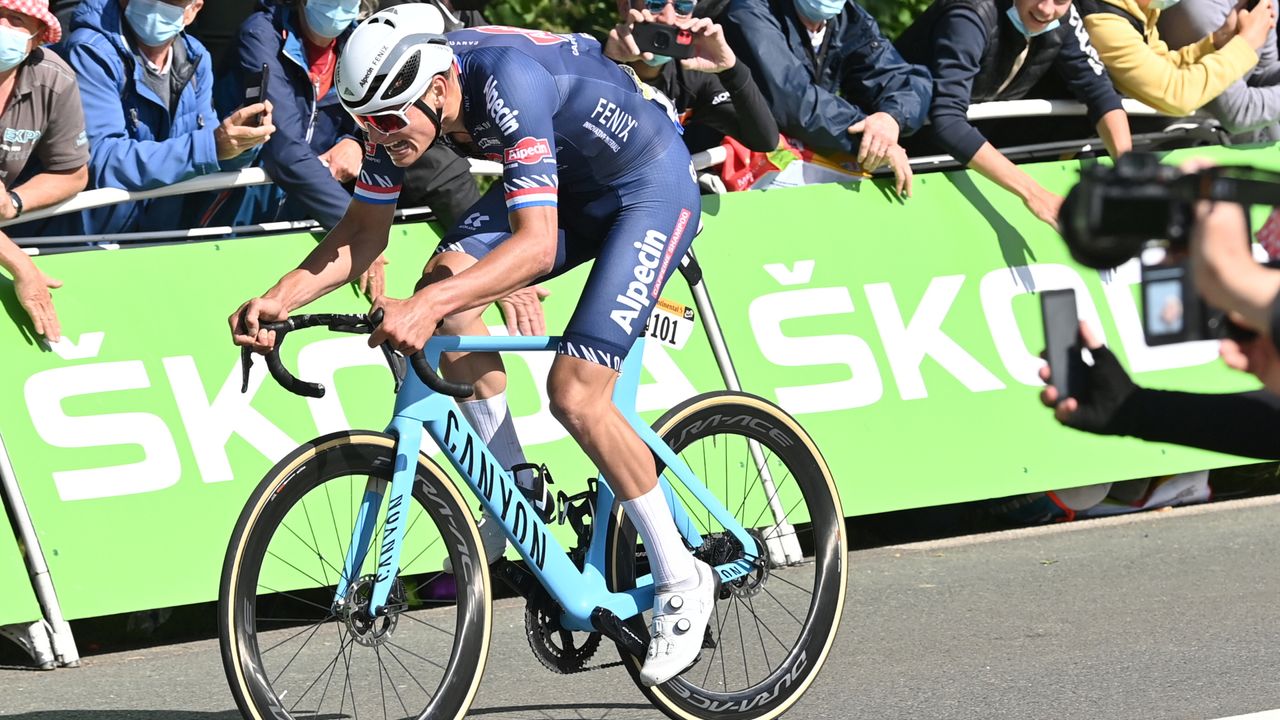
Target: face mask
pixel 330 18
pixel 819 10
pixel 657 61
pixel 13 47
pixel 1162 4
pixel 1017 23
pixel 155 22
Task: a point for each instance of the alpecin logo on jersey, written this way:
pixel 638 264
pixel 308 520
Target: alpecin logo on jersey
pixel 653 259
pixel 370 148
pixel 528 151
pixel 503 117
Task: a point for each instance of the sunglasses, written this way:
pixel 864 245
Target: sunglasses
pixel 392 121
pixel 682 7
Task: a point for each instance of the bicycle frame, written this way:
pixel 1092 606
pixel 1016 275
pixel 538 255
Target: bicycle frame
pixel 578 592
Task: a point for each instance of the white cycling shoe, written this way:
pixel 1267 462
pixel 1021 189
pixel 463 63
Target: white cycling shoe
pixel 491 537
pixel 680 620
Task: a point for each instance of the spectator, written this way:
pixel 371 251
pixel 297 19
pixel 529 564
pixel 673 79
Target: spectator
pixel 46 152
pixel 147 88
pixel 441 179
pixel 832 80
pixel 1250 108
pixel 1174 83
pixel 314 150
pixel 710 91
pixel 977 53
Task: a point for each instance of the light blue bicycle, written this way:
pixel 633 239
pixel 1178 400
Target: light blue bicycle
pixel 333 603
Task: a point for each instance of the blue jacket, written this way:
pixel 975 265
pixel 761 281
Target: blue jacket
pixel 817 96
pixel 305 128
pixel 136 142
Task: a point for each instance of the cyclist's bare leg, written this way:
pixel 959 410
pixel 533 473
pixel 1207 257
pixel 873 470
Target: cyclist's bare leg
pixel 485 370
pixel 582 400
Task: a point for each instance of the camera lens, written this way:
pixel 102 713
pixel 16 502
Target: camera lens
pixel 661 42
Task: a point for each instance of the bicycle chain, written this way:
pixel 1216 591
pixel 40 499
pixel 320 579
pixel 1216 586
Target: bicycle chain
pixel 556 648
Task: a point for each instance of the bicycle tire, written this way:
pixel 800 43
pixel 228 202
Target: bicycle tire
pixel 728 420
pixel 357 456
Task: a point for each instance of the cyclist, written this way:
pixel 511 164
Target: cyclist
pixel 593 168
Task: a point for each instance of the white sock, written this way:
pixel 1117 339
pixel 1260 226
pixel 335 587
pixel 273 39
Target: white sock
pixel 669 559
pixel 492 420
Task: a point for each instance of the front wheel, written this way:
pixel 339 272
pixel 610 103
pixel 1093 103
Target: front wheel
pixel 771 630
pixel 288 653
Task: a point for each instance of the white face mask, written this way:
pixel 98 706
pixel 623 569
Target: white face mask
pixel 1162 4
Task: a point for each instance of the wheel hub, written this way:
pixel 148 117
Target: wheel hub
pixel 365 629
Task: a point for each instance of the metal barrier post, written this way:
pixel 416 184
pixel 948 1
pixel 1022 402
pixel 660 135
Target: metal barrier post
pixel 64 644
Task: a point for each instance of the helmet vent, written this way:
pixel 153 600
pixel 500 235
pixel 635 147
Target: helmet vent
pixel 405 78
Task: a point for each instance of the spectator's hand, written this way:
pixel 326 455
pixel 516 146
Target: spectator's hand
pixel 1230 26
pixel 1044 205
pixel 32 288
pixel 236 135
pixel 246 320
pixel 1256 356
pixel 343 160
pixel 1255 24
pixel 711 52
pixel 621 46
pixel 373 282
pixel 1106 387
pixel 879 135
pixel 522 311
pixel 902 172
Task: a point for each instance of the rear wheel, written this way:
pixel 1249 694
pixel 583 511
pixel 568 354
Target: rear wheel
pixel 289 654
pixel 771 630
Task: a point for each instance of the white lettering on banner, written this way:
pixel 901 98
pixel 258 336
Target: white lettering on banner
pixel 160 467
pixel 1118 288
pixel 998 289
pixel 908 345
pixel 864 386
pixel 89 346
pixel 210 425
pixel 799 273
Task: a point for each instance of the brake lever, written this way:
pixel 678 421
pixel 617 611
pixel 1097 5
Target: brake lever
pixel 246 362
pixel 399 366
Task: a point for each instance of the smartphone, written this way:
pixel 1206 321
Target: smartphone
pixel 1062 341
pixel 256 93
pixel 663 39
pixel 1251 4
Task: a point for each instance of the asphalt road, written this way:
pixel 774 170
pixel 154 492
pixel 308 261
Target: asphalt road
pixel 1166 615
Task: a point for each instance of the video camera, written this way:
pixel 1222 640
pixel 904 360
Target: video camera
pixel 1142 208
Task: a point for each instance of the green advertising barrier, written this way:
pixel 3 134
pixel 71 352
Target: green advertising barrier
pixel 903 335
pixel 17 600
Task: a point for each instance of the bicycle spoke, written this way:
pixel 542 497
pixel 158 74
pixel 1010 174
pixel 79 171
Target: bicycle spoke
pixel 314 550
pixel 299 570
pixel 783 606
pixel 411 675
pixel 407 650
pixel 381 688
pixel 307 514
pixel 332 664
pixel 309 627
pixel 424 622
pixel 751 608
pixel 737 613
pixel 801 588
pixel 295 597
pixel 390 681
pixel 760 624
pixel 295 654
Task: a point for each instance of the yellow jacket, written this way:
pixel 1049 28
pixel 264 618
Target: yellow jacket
pixel 1175 83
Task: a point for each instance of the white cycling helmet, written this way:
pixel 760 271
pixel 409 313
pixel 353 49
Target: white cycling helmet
pixel 390 59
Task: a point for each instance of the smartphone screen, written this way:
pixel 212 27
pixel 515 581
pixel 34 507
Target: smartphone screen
pixel 1061 340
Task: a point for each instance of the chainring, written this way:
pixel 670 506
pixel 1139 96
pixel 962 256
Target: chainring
pixel 559 650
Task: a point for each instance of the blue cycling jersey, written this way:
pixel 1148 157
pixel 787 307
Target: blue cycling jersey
pixel 575 131
pixel 556 112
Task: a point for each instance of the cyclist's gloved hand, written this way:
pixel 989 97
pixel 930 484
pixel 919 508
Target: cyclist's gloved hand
pixel 1099 408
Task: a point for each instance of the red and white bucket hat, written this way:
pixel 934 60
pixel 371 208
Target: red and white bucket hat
pixel 38 9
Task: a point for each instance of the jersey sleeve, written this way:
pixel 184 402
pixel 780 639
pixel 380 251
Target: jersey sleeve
pixel 380 180
pixel 519 101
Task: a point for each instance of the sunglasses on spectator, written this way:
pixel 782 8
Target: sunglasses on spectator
pixel 392 121
pixel 682 7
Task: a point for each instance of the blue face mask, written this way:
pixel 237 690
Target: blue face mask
pixel 1162 4
pixel 13 47
pixel 657 61
pixel 154 22
pixel 330 18
pixel 819 10
pixel 1017 22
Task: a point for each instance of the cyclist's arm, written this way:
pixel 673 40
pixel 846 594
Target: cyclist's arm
pixel 527 255
pixel 346 251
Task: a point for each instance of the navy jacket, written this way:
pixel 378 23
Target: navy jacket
pixel 136 141
pixel 968 46
pixel 305 128
pixel 817 96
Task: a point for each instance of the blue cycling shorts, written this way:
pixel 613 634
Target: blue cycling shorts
pixel 636 229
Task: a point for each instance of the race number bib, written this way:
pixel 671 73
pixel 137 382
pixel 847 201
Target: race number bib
pixel 670 324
